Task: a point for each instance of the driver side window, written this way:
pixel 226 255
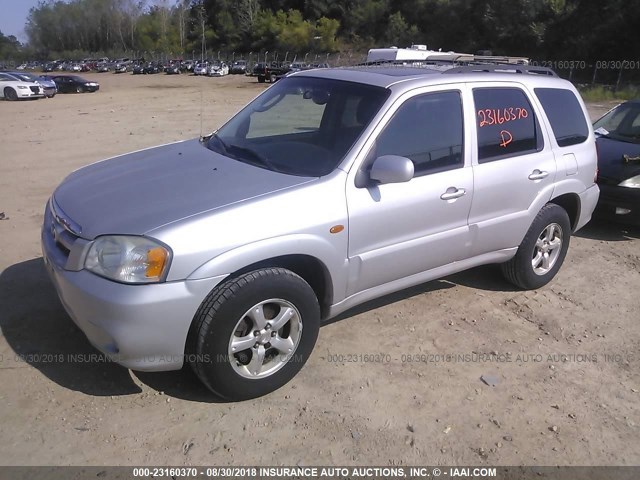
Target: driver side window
pixel 427 129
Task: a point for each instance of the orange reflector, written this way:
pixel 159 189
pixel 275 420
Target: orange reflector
pixel 156 258
pixel 336 228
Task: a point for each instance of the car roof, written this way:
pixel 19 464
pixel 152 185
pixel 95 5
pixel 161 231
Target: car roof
pixel 387 76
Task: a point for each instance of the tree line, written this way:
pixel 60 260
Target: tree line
pixel 540 29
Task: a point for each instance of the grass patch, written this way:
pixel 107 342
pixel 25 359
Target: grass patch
pixel 603 93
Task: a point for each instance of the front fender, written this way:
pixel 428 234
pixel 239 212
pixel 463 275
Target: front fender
pixel 333 255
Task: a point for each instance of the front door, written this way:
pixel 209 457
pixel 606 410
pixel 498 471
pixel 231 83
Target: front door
pixel 397 230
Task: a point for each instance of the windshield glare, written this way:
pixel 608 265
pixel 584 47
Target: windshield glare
pixel 300 126
pixel 622 123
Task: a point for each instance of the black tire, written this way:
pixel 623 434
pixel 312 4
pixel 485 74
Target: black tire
pixel 261 79
pixel 10 94
pixel 225 315
pixel 272 78
pixel 79 89
pixel 520 269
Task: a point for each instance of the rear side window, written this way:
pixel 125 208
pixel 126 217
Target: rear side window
pixel 565 115
pixel 506 123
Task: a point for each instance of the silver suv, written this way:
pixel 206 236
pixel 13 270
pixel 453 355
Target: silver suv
pixel 331 188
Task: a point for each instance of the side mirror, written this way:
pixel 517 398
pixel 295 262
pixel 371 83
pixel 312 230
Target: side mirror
pixel 391 169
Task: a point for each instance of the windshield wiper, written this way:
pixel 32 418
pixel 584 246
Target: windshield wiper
pixel 214 137
pixel 253 156
pixel 242 154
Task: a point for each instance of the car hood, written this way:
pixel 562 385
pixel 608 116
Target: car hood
pixel 46 83
pixel 611 165
pixel 141 191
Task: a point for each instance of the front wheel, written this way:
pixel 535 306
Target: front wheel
pixel 10 94
pixel 79 89
pixel 542 251
pixel 253 333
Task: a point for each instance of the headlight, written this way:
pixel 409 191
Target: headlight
pixel 22 87
pixel 633 182
pixel 128 259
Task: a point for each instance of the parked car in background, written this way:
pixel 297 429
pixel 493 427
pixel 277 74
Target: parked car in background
pixel 217 69
pixel 270 72
pixel 88 64
pixel 239 67
pixel 15 89
pixel 103 67
pixel 122 65
pixel 138 69
pixel 49 86
pixel 618 141
pixel 173 68
pixel 187 65
pixel 152 67
pixel 297 66
pixel 201 68
pixel 74 84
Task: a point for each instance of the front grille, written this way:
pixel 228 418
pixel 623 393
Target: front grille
pixel 35 89
pixel 63 230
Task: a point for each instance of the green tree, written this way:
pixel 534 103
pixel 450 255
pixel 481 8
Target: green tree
pixel 10 47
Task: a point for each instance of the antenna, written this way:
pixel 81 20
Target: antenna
pixel 201 109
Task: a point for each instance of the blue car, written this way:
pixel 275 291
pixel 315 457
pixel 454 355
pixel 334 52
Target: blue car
pixel 49 86
pixel 618 142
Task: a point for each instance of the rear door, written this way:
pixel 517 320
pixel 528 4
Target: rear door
pixel 514 168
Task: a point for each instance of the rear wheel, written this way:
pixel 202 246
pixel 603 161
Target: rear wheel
pixel 253 333
pixel 10 94
pixel 542 251
pixel 261 79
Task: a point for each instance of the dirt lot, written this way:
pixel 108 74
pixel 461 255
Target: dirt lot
pixel 566 357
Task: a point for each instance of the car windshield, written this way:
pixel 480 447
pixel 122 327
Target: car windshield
pixel 622 123
pixel 25 76
pixel 300 126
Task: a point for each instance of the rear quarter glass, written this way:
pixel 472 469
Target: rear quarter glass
pixel 565 115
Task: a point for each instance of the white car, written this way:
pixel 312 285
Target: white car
pixel 13 89
pixel 201 69
pixel 218 69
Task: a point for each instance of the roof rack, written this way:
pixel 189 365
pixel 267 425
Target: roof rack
pixel 504 68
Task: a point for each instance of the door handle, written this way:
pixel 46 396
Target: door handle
pixel 452 193
pixel 538 174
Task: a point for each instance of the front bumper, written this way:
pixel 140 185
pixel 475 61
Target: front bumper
pixel 29 93
pixel 619 204
pixel 142 327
